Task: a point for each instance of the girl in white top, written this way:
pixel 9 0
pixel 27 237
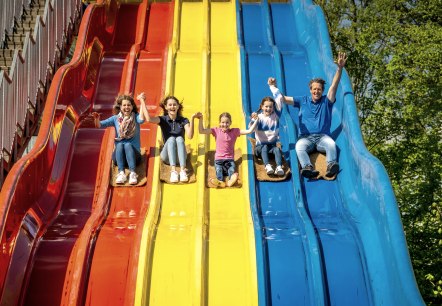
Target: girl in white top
pixel 267 133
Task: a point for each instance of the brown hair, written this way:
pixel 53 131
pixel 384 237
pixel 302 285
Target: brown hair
pixel 316 80
pixel 118 100
pixel 266 99
pixel 164 103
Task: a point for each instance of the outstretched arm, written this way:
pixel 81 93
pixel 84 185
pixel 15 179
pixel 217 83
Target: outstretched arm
pixel 342 59
pixel 96 117
pixel 251 128
pixel 143 110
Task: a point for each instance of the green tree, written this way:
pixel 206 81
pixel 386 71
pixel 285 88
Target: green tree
pixel 395 62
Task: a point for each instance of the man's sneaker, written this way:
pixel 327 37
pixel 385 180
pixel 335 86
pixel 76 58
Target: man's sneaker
pixel 332 169
pixel 232 180
pixel 183 176
pixel 309 172
pixel 269 169
pixel 133 178
pixel 217 182
pixel 121 178
pixel 279 171
pixel 173 176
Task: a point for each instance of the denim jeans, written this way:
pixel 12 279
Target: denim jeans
pixel 124 155
pixel 224 166
pixel 174 147
pixel 263 151
pixel 321 142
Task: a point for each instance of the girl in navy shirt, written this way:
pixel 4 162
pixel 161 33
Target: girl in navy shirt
pixel 173 126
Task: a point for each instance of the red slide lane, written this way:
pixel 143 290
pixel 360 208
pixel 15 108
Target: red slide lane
pixel 114 266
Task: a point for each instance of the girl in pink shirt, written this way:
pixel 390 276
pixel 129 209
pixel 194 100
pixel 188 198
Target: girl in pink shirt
pixel 225 147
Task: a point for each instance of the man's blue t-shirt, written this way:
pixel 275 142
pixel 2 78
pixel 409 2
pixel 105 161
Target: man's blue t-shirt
pixel 314 118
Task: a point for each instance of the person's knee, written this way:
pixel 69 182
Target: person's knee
pixel 329 143
pixel 128 146
pixel 119 146
pixel 179 139
pixel 300 145
pixel 171 141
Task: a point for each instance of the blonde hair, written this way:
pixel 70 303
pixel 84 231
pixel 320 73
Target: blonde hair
pixel 227 115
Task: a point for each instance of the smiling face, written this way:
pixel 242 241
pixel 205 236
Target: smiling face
pixel 224 123
pixel 267 108
pixel 172 108
pixel 126 107
pixel 316 90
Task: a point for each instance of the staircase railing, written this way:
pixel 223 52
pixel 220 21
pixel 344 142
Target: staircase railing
pixel 23 89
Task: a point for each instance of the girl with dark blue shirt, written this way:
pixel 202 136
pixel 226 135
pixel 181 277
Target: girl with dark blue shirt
pixel 173 127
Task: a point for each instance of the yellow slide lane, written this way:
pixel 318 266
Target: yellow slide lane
pixel 231 257
pixel 198 243
pixel 171 263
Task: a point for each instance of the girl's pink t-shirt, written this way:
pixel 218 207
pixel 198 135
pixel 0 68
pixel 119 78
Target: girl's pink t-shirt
pixel 225 142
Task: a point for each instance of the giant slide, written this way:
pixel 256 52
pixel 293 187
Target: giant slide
pixel 69 237
pixel 356 254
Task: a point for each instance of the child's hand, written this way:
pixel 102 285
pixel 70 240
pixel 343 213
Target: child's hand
pixel 254 116
pixel 198 115
pixel 95 115
pixel 141 97
pixel 271 81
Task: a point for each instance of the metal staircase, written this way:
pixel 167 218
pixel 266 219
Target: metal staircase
pixel 15 39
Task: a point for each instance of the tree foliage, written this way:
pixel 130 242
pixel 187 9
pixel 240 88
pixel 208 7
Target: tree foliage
pixel 395 61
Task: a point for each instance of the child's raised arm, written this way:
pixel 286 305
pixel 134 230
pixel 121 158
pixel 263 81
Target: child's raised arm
pixel 277 93
pixel 252 127
pixel 144 114
pixel 143 110
pixel 189 128
pixel 201 128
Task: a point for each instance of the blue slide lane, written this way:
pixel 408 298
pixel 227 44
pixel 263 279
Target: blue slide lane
pixel 322 242
pixel 288 257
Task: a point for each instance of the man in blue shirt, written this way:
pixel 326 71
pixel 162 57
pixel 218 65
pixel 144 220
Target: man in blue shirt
pixel 315 120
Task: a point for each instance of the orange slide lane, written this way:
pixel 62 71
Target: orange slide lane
pixel 112 278
pixel 48 200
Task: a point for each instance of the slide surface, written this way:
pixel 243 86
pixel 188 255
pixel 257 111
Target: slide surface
pixel 199 242
pixel 360 247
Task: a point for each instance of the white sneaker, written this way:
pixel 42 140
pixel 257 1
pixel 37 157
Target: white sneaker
pixel 121 178
pixel 183 176
pixel 279 171
pixel 173 176
pixel 133 178
pixel 269 169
